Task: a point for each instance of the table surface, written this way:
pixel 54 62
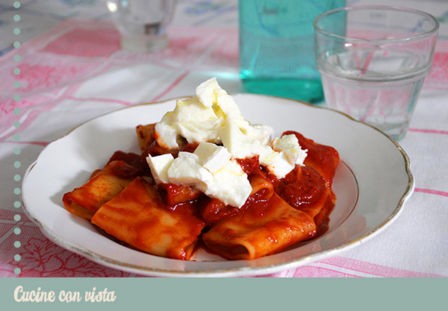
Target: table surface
pixel 70 64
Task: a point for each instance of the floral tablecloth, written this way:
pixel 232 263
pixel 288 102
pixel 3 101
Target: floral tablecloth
pixel 67 67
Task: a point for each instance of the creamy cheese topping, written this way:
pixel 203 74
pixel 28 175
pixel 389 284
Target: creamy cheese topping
pixel 159 167
pixel 212 118
pixel 212 157
pixel 208 169
pixel 289 145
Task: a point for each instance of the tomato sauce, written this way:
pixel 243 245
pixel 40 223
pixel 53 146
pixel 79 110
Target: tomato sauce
pixel 136 166
pixel 175 194
pixel 250 166
pixel 322 158
pixel 302 186
pixel 213 211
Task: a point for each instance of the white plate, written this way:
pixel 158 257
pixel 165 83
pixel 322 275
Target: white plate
pixel 371 185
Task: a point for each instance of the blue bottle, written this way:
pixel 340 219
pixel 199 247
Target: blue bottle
pixel 277 47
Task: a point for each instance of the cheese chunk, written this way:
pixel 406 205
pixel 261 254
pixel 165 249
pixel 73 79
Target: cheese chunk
pixel 261 133
pixel 233 139
pixel 244 142
pixel 229 108
pixel 165 134
pixel 276 162
pixel 207 92
pixel 267 155
pixel 186 170
pixel 195 122
pixel 211 156
pixel 279 165
pixel 230 185
pixel 289 145
pixel 159 167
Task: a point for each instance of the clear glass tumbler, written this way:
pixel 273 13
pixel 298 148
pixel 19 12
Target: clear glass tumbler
pixel 374 67
pixel 142 23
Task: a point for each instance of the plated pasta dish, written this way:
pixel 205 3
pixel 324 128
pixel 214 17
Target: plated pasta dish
pixel 208 178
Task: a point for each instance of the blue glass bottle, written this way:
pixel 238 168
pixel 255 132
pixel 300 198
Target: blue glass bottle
pixel 277 47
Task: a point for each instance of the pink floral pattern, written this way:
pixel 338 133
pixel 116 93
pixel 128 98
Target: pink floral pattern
pixel 39 256
pixel 35 76
pixel 42 258
pixel 29 109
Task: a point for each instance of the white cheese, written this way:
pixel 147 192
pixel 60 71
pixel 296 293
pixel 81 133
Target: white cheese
pixel 159 167
pixel 186 170
pixel 261 133
pixel 244 142
pixel 195 122
pixel 279 164
pixel 230 185
pixel 213 117
pixel 233 139
pixel 229 108
pixel 166 135
pixel 207 92
pixel 211 156
pixel 289 145
pixel 267 155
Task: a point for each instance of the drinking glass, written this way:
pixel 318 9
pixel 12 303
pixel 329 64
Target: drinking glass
pixel 142 23
pixel 374 67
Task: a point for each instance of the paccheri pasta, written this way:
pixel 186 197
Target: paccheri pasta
pixel 208 177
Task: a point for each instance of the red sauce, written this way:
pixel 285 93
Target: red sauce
pixel 302 186
pixel 123 170
pixel 323 158
pixel 214 210
pixel 250 166
pixel 175 194
pixel 137 165
pixel 189 147
pixel 256 204
pixel 322 219
pixel 189 207
pixel 155 149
